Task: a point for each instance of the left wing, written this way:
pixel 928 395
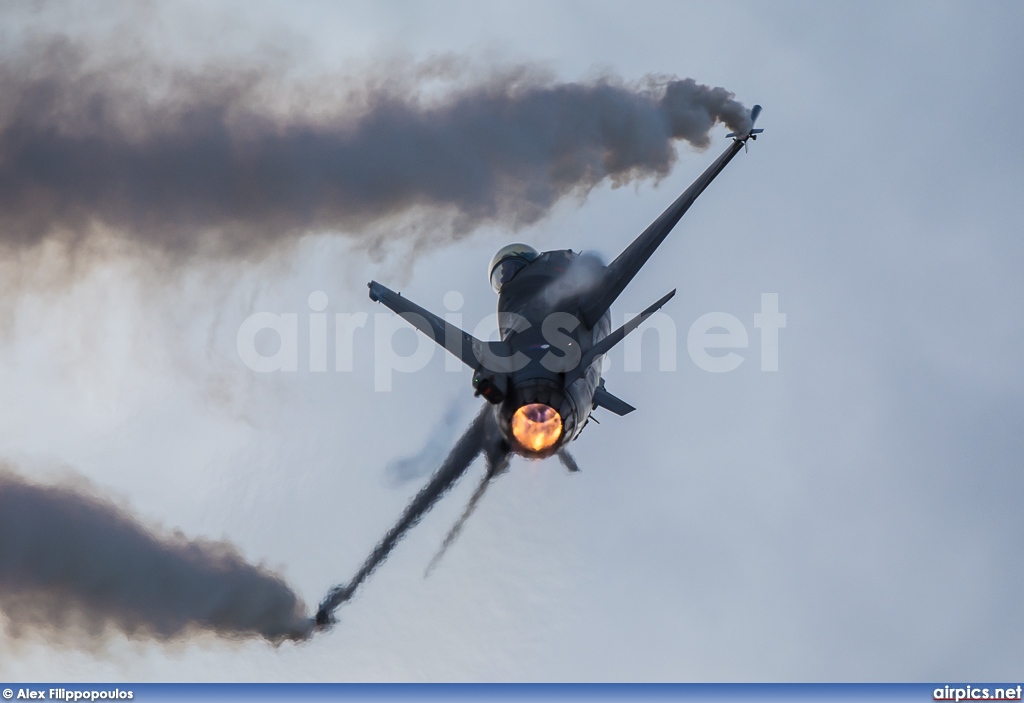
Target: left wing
pixel 461 344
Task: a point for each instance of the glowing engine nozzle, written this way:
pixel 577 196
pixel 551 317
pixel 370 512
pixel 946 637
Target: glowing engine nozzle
pixel 536 426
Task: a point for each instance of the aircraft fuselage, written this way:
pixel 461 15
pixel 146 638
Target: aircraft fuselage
pixel 538 314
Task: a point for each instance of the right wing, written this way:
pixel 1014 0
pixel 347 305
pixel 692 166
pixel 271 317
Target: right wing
pixel 621 271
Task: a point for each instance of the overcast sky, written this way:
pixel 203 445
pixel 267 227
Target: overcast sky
pixel 856 515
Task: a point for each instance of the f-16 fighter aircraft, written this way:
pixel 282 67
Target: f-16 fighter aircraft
pixel 542 379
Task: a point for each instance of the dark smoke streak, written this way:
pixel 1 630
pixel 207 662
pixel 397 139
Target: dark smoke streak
pixel 470 444
pixel 474 500
pixel 72 563
pixel 207 169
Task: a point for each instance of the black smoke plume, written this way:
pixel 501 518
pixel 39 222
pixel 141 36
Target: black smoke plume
pixel 202 162
pixel 74 564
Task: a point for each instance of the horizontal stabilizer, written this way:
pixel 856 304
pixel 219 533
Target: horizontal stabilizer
pixel 604 399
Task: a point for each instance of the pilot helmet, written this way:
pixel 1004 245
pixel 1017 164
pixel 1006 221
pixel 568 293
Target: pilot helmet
pixel 509 261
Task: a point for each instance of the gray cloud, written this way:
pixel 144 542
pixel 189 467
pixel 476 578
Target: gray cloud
pixel 74 565
pixel 198 163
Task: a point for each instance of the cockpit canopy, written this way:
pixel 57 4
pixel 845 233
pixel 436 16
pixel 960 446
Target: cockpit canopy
pixel 509 261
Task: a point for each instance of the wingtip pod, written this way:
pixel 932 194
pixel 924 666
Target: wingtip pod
pixel 377 291
pixel 750 133
pixel 324 619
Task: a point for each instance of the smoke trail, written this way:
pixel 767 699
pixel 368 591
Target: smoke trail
pixel 494 469
pixel 74 563
pixel 197 164
pixel 470 444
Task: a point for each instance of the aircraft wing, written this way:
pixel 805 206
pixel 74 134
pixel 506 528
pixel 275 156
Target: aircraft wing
pixel 621 271
pixel 494 355
pixel 458 343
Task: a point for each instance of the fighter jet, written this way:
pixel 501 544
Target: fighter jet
pixel 542 379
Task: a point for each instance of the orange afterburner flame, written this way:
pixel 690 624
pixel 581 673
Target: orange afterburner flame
pixel 536 426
